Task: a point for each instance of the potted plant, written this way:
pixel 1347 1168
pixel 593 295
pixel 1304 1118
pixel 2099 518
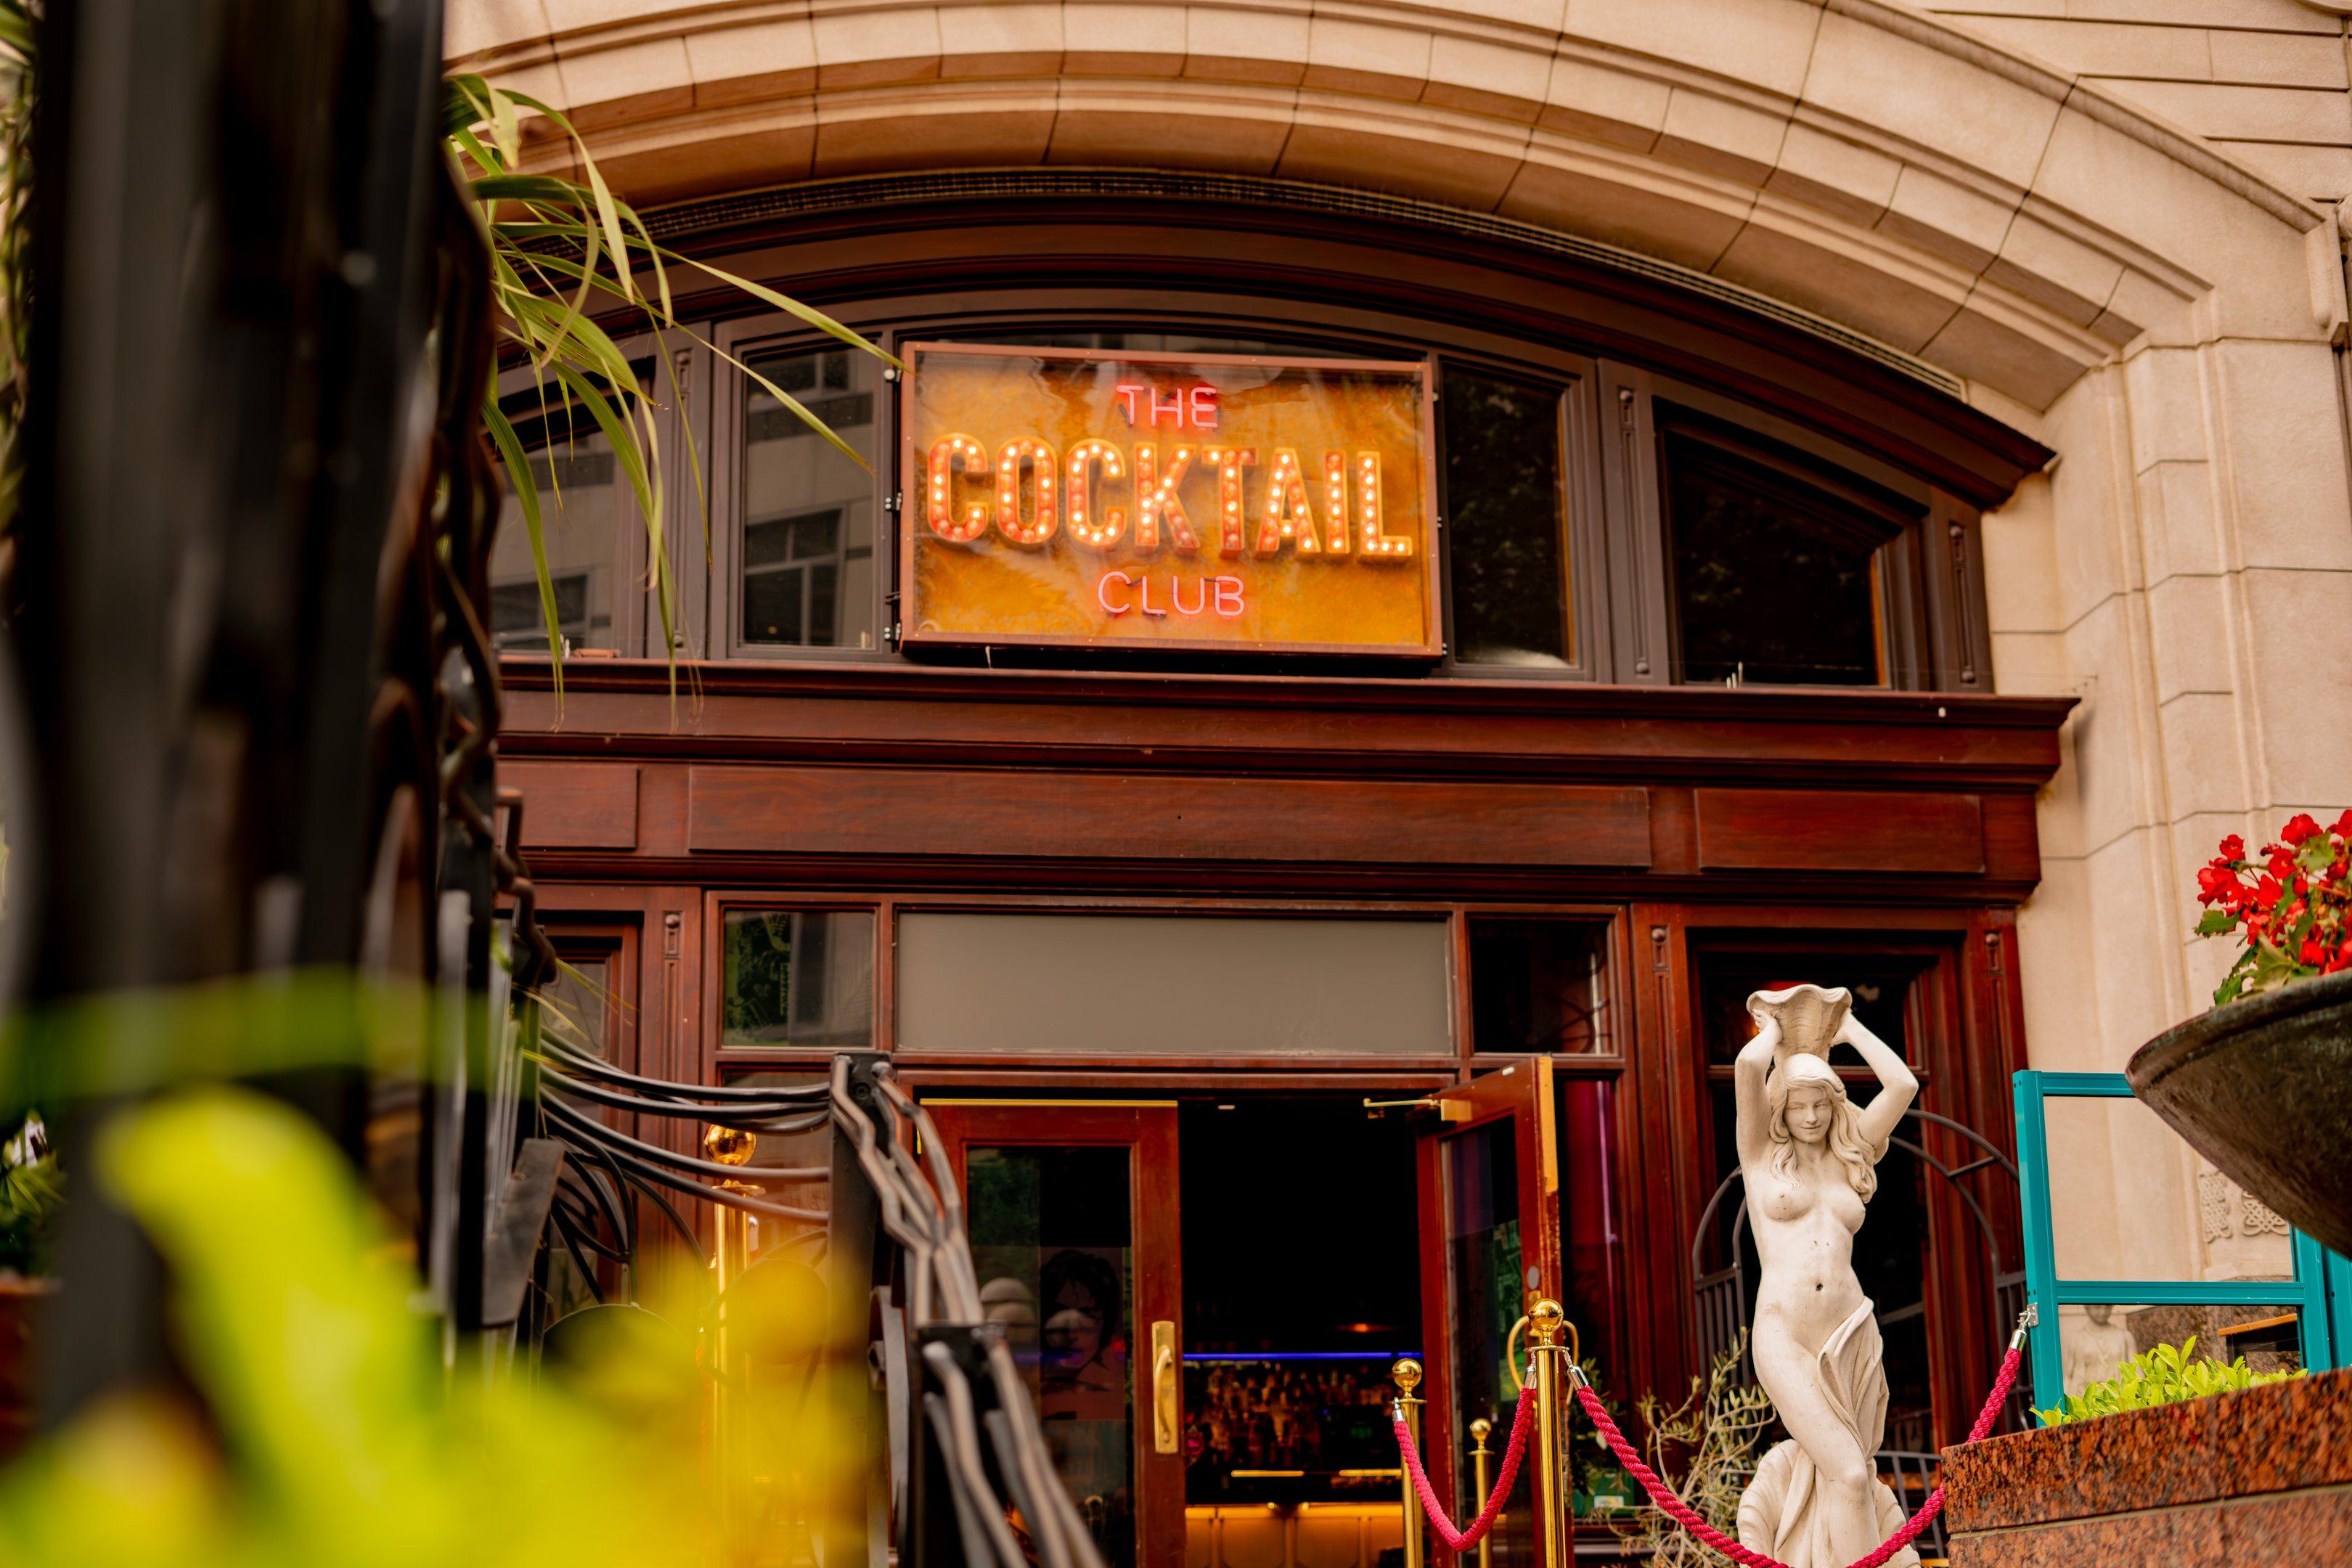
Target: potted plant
pixel 30 1193
pixel 2262 1084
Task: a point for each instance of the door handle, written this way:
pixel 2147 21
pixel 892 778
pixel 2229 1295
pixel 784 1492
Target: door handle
pixel 1165 1410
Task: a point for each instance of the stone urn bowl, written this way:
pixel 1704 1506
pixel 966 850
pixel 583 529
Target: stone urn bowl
pixel 2263 1088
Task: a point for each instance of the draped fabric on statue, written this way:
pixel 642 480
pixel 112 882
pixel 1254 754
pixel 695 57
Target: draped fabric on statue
pixel 1781 1514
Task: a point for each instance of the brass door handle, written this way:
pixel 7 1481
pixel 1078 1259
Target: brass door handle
pixel 1165 1409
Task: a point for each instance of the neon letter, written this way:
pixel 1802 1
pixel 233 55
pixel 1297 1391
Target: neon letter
pixel 1229 596
pixel 1200 603
pixel 1126 391
pixel 1156 498
pixel 1204 407
pixel 1230 462
pixel 1102 593
pixel 1287 515
pixel 947 454
pixel 1334 499
pixel 1040 458
pixel 1145 583
pixel 1174 405
pixel 1095 534
pixel 1387 546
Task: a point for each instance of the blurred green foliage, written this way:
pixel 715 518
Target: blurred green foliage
pixel 324 1428
pixel 2164 1375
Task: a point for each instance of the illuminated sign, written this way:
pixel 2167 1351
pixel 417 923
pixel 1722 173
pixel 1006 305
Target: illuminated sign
pixel 1064 496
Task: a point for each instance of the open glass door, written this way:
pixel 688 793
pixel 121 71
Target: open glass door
pixel 1490 1249
pixel 1071 1207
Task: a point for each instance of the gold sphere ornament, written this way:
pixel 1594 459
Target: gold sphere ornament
pixel 1479 1428
pixel 729 1145
pixel 1407 1373
pixel 1544 1320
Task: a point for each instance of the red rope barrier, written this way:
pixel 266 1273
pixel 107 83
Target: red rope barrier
pixel 1438 1518
pixel 1682 1514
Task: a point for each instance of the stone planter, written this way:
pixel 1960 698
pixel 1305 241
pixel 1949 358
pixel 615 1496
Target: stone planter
pixel 2263 1088
pixel 2255 1478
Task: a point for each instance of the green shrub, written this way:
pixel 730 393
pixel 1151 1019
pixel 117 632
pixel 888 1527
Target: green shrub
pixel 31 1191
pixel 2165 1375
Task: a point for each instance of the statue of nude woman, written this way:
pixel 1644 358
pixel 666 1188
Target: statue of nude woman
pixel 1810 1156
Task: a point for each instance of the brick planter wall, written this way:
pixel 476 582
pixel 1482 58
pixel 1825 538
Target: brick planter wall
pixel 2252 1479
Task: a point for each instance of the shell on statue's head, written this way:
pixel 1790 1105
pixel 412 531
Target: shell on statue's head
pixel 1810 1018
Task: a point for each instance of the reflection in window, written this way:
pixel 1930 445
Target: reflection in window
pixel 1504 511
pixel 1539 986
pixel 582 498
pixel 803 978
pixel 1775 571
pixel 578 1007
pixel 1053 1246
pixel 2095 1340
pixel 808 560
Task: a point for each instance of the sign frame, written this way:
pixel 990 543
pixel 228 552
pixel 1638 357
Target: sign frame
pixel 911 479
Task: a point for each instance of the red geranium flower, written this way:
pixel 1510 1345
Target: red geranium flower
pixel 2341 826
pixel 2313 953
pixel 2300 827
pixel 2234 846
pixel 2267 893
pixel 2214 882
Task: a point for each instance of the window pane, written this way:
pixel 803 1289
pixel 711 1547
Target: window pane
pixel 1173 985
pixel 1116 341
pixel 2096 1340
pixel 582 501
pixel 578 1007
pixel 803 978
pixel 1053 1244
pixel 1774 578
pixel 808 533
pixel 1539 986
pixel 1503 514
pixel 1881 984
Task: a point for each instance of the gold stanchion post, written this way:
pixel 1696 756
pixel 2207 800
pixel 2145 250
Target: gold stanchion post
pixel 1544 1320
pixel 1407 1375
pixel 729 1257
pixel 1479 1430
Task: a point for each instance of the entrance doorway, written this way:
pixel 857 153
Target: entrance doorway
pixel 1209 1291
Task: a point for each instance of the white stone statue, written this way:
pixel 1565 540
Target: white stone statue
pixel 1810 1156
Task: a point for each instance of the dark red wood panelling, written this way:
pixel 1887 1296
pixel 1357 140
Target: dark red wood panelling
pixel 1839 830
pixel 938 812
pixel 589 806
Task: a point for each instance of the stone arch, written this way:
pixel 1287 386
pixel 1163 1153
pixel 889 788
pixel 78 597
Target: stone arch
pixel 1888 171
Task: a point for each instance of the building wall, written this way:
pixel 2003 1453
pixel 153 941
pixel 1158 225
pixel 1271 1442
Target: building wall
pixel 2263 81
pixel 2099 216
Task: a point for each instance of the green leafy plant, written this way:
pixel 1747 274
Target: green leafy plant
pixel 2164 1375
pixel 31 1191
pixel 1717 1426
pixel 2292 907
pixel 562 253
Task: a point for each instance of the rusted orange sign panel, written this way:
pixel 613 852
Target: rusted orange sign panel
pixel 1059 496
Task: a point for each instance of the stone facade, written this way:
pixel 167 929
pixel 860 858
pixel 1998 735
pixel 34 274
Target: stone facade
pixel 2106 218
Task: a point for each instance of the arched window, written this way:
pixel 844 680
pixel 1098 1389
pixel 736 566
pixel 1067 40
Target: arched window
pixel 1636 477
